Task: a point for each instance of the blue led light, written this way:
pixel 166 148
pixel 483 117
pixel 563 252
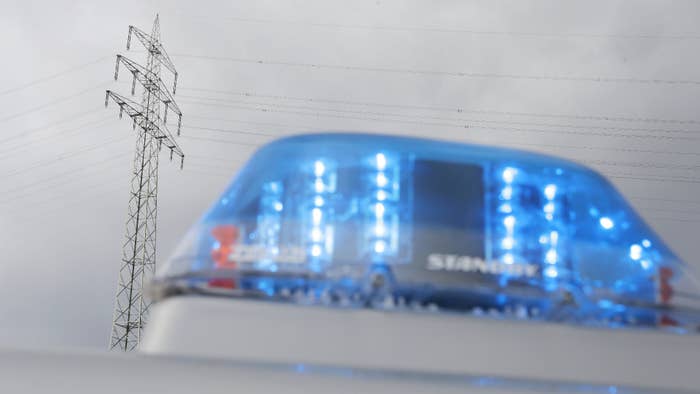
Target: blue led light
pixel 606 223
pixel 381 161
pixel 507 193
pixel 319 168
pixel 360 220
pixel 509 174
pixel 551 272
pixel 635 252
pixel 550 191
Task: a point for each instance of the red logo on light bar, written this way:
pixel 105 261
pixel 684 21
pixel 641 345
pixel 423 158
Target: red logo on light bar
pixel 665 288
pixel 226 235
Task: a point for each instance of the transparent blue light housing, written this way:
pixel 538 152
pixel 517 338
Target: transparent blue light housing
pixel 356 220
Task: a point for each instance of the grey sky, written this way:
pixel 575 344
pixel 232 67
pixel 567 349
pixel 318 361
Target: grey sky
pixel 61 221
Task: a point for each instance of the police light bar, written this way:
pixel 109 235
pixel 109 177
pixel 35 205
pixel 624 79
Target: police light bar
pixel 354 220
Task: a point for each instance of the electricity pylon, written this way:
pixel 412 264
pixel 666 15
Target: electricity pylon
pixel 138 262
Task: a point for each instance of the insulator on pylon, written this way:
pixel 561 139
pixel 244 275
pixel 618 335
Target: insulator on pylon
pixel 182 161
pixel 128 38
pixel 175 83
pixel 133 84
pixel 133 125
pixel 165 114
pixel 179 124
pixel 121 112
pixel 106 98
pixel 171 154
pixel 116 68
pixel 160 144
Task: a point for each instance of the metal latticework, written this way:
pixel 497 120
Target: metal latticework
pixel 139 253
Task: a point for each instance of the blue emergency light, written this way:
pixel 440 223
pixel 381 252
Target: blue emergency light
pixel 355 220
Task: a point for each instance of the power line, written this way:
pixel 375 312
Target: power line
pixel 610 149
pixel 218 175
pixel 221 141
pixel 213 167
pixel 92 147
pixel 220 130
pixel 72 131
pixel 38 214
pixel 605 163
pixel 675 179
pixel 675 219
pixel 113 189
pixel 72 194
pixel 686 211
pixel 45 163
pixel 664 199
pixel 310 129
pixel 590 162
pixel 48 126
pixel 642 165
pixel 680 179
pixel 45 181
pixel 318 114
pixel 49 186
pixel 285 125
pixel 432 29
pixel 53 102
pixel 460 110
pixel 52 76
pixel 225 159
pixel 469 123
pixel 322 114
pixel 208 171
pixel 459 74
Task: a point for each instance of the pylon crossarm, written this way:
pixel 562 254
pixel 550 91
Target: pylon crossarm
pixel 153 46
pixel 164 59
pixel 136 112
pixel 149 81
pixel 169 141
pixel 146 40
pixel 131 108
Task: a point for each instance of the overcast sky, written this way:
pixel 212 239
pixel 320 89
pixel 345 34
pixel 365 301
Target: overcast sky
pixel 65 160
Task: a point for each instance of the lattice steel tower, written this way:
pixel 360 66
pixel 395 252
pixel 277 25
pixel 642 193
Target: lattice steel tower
pixel 139 253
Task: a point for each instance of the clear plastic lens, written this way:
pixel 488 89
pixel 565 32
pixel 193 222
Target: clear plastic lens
pixel 391 222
